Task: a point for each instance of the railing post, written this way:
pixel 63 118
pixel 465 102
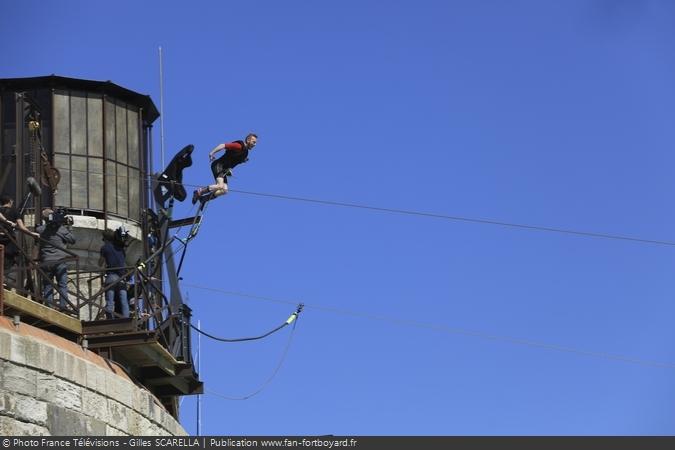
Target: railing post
pixel 78 292
pixel 89 291
pixel 2 280
pixel 185 332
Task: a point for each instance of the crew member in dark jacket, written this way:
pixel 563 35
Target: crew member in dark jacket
pixel 54 237
pixel 113 258
pixel 10 220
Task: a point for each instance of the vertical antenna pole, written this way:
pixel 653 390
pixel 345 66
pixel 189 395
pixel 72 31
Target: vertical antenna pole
pixel 161 107
pixel 161 135
pixel 199 366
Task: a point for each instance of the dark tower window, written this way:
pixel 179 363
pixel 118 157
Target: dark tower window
pixel 97 145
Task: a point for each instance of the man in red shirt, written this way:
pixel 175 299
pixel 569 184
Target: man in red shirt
pixel 235 153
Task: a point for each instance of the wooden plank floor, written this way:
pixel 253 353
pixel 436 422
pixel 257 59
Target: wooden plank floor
pixel 34 309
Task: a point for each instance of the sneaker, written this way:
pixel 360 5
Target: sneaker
pixel 195 195
pixel 206 197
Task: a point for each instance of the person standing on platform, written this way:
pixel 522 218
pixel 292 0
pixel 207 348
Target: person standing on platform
pixel 113 257
pixel 11 220
pixel 54 238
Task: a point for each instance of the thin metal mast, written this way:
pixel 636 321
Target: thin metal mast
pixel 161 141
pixel 161 105
pixel 199 367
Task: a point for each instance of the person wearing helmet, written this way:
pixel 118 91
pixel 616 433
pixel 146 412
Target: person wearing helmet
pixel 235 153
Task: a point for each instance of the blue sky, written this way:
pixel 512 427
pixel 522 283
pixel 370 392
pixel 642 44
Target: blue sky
pixel 544 113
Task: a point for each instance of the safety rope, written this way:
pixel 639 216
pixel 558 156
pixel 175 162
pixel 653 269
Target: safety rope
pixel 289 321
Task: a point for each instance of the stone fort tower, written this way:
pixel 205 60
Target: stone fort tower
pixel 88 146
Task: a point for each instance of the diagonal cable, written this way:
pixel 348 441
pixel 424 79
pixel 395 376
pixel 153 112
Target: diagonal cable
pixel 459 331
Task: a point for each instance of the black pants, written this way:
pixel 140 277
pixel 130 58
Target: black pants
pixel 9 262
pixel 218 168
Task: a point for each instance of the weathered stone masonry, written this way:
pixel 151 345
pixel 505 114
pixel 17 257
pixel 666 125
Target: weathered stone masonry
pixel 51 386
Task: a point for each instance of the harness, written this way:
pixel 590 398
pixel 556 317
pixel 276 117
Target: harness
pixel 233 158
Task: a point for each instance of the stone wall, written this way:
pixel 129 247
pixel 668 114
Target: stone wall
pixel 51 386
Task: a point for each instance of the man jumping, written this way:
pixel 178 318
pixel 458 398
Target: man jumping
pixel 235 153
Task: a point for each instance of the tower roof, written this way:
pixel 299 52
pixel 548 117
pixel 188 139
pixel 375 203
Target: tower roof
pixel 102 87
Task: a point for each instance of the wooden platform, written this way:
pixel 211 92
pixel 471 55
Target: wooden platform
pixel 39 315
pixel 140 350
pixel 122 340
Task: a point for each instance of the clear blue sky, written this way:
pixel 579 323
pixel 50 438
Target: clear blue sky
pixel 546 113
